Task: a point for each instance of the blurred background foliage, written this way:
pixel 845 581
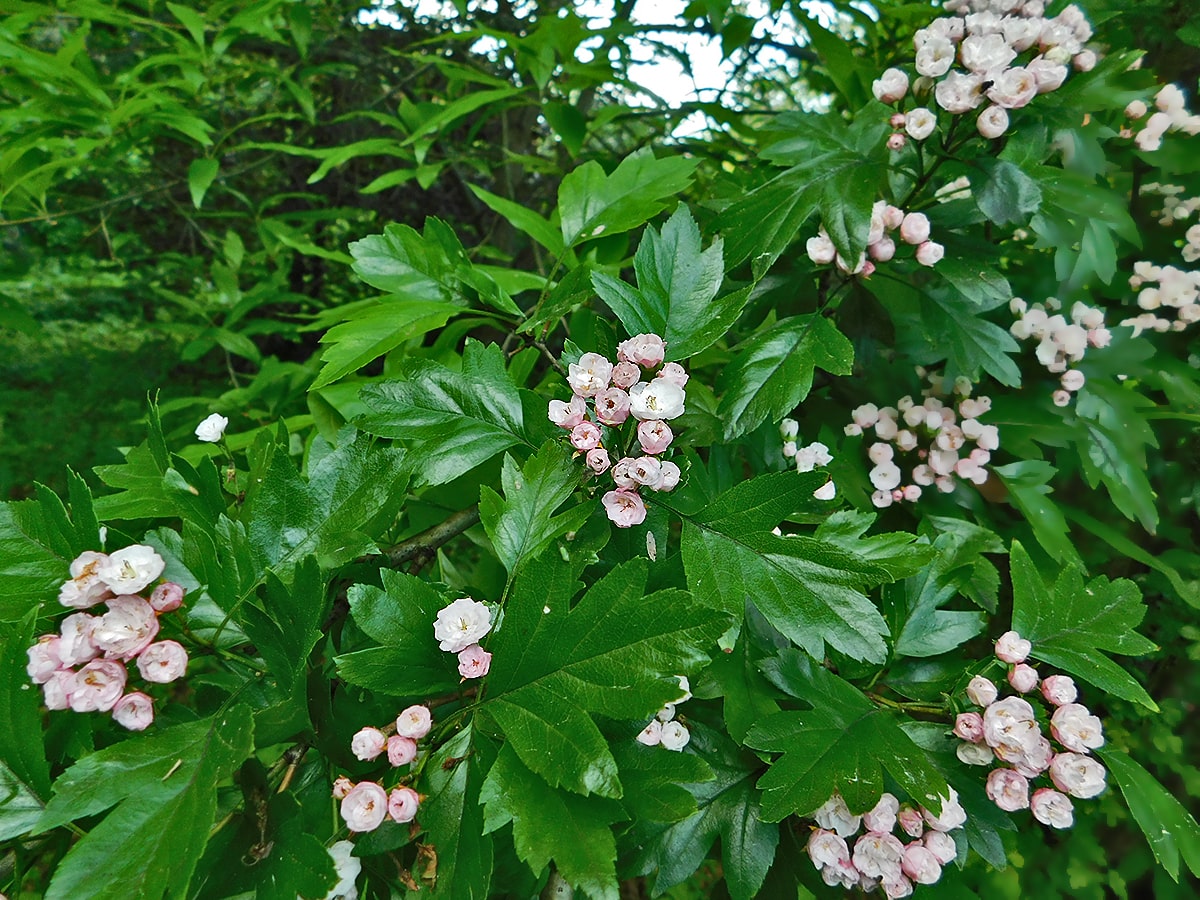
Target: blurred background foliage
pixel 178 183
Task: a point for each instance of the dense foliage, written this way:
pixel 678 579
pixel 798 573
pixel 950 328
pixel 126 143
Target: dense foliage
pixel 547 487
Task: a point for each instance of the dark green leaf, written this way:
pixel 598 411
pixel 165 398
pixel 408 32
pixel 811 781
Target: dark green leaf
pixel 970 344
pixel 1005 194
pixel 523 219
pixel 288 626
pixel 921 627
pixel 453 820
pixel 22 744
pixel 201 174
pixel 1028 489
pixel 1112 446
pixel 20 808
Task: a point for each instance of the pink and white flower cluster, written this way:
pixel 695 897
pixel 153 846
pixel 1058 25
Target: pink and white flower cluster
pixel 807 458
pixel 459 627
pixel 1009 53
pixel 933 432
pixel 367 804
pixel 664 729
pixel 1176 209
pixel 1171 115
pixel 1161 288
pixel 1060 342
pixel 912 228
pixel 84 666
pixel 880 859
pixel 1009 732
pixel 627 415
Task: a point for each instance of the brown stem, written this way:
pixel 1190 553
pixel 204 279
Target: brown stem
pixel 425 544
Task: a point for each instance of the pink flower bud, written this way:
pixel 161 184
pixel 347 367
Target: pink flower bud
pixel 941 845
pixel 1052 808
pixel 1061 398
pixel 134 711
pixel 969 727
pixel 597 460
pixel 670 476
pixel 401 750
pixel 981 691
pixel 674 373
pixel 895 141
pixel 891 86
pixel 647 350
pixel 820 249
pixel 920 864
pixel 626 374
pixel 915 228
pixel 882 250
pixel 911 821
pixel 568 415
pixel 166 597
pixel 1012 648
pixel 474 662
pixel 893 216
pixel 1059 689
pixel 624 508
pixel 365 807
pixel 612 408
pixel 585 436
pixel 1023 678
pixel 992 122
pixel 883 816
pixel 402 804
pixel 654 435
pixel 368 743
pixel 414 722
pixel 930 253
pixel 1076 728
pixel 43 658
pixel 1009 790
pixel 56 692
pixel 163 662
pixel 896 120
pixel 341 787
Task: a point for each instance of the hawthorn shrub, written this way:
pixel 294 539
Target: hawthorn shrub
pixel 780 507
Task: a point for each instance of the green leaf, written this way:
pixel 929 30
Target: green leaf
pixel 297 864
pixel 591 203
pixel 523 524
pixel 201 174
pixel 400 617
pixel 653 781
pixel 289 626
pixel 1112 447
pixel 164 786
pixel 921 626
pixel 194 23
pixel 838 59
pixel 20 808
pixel 677 287
pixel 451 421
pixel 844 743
pixel 727 808
pixel 809 588
pixel 551 825
pixel 969 343
pixel 22 744
pixel 773 371
pixel 763 223
pixel 523 219
pixel 432 267
pixel 351 493
pixel 1028 484
pixel 615 653
pixel 1074 625
pixel 1005 194
pixel 453 820
pixel 34 561
pixel 370 332
pixel 1169 828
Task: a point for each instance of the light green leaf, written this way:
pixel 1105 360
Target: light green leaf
pixel 1074 625
pixel 1028 484
pixel 26 773
pixel 20 808
pixel 194 23
pixel 773 371
pixel 289 626
pixel 1005 194
pixel 523 219
pixel 1112 446
pixel 592 203
pixel 201 174
pixel 843 744
pixel 551 825
pixel 523 524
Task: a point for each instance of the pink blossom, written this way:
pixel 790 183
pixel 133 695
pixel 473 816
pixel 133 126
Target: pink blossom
pixel 56 692
pixel 1031 758
pixel 129 570
pixel 1023 678
pixel 915 228
pixel 825 848
pixel 1008 789
pixel 898 889
pixel 97 686
pixel 368 743
pixel 84 588
pixel 958 93
pixel 622 472
pixel 834 815
pixel 590 375
pixel 624 508
pixel 365 807
pixel 568 415
pixel 647 350
pixel 612 406
pixel 414 722
pixel 401 750
pixel 127 628
pixel 952 815
pixel 1052 808
pixel 992 122
pixel 930 253
pixel 626 374
pixel 670 476
pixel 969 727
pixel 654 435
pixel 878 855
pixel 674 736
pixel 1012 90
pixel 883 816
pixel 674 373
pixel 657 399
pixel 585 436
pixel 1010 720
pixel 1059 689
pixel 134 711
pixel 76 645
pixel 651 735
pixel 891 86
pixel 646 471
pixel 920 864
pixel 402 804
pixel 166 597
pixel 911 821
pixel 820 249
pixel 1012 648
pixel 43 658
pixel 163 662
pixel 474 662
pixel 341 787
pixel 1076 728
pixel 941 845
pixel 1077 775
pixel 597 460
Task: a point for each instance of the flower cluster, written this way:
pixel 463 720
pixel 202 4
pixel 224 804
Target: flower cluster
pixel 807 458
pixel 1161 288
pixel 913 228
pixel 988 38
pixel 619 398
pixel 102 646
pixel 459 628
pixel 1059 342
pixel 880 858
pixel 1171 115
pixel 935 434
pixel 365 805
pixel 1176 209
pixel 664 729
pixel 1008 731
